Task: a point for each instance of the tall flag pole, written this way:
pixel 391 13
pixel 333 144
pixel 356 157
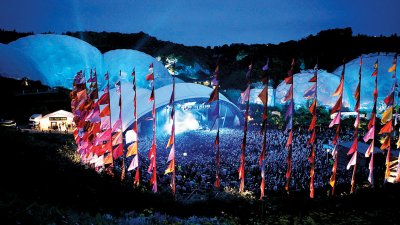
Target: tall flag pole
pixel 336 121
pixel 109 159
pixel 171 141
pixel 214 96
pixel 264 98
pixel 116 130
pixel 354 147
pixel 387 122
pixel 133 149
pixel 245 96
pixel 311 93
pixel 153 149
pixel 393 69
pixel 289 126
pixel 371 128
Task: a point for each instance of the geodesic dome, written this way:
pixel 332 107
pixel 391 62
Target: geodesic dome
pixel 327 84
pixel 59 57
pixel 385 80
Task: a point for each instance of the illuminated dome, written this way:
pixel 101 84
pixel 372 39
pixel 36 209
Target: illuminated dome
pixel 15 64
pixel 190 99
pixel 327 84
pixel 59 57
pixel 126 59
pixel 385 80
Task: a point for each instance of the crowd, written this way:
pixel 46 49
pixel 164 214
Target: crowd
pixel 196 165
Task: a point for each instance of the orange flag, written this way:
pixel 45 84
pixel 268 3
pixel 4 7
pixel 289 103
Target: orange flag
pixel 132 149
pixel 386 129
pixel 339 90
pixel 385 143
pixel 313 106
pixel 263 95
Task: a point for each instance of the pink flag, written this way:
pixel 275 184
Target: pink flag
pixel 336 120
pixel 117 125
pixel 105 123
pixel 357 122
pixel 353 147
pixel 370 149
pixel 171 153
pixel 370 134
pixel 371 169
pixel 352 161
pixel 245 96
pixel 117 138
pixel 134 163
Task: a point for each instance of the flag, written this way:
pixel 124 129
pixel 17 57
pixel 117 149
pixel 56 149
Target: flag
pixel 313 106
pixel 132 149
pixel 105 111
pixel 357 121
pixel 263 95
pixel 171 154
pixel 386 129
pixel 130 136
pixel 171 167
pixel 337 106
pixel 214 95
pixel 118 86
pixel 245 96
pixel 289 80
pixel 385 143
pixel 389 99
pixel 150 76
pixel 310 93
pixel 266 67
pixel 353 147
pixel 117 138
pixel 289 126
pixel 372 120
pixel 313 123
pixel 312 138
pixel 392 68
pixel 371 169
pixel 370 134
pixel 289 140
pixel 339 89
pixel 289 95
pixel 117 126
pixel 134 163
pixel 104 99
pixel 170 140
pixel 118 151
pixel 108 159
pixel 248 74
pixel 352 161
pixel 370 149
pixel 387 115
pixel 151 98
pixel 289 110
pixel 335 120
pixel 81 95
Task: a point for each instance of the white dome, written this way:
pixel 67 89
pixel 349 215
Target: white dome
pixel 127 59
pixel 15 64
pixel 385 80
pixel 327 84
pixel 59 57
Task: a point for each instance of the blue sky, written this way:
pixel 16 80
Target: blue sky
pixel 204 22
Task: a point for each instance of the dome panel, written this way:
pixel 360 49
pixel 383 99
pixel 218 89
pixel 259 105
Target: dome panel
pixel 59 57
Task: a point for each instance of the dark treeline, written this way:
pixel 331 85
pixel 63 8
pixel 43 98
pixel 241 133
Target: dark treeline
pixel 328 47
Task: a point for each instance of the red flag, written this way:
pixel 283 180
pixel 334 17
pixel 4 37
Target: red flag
pixel 386 129
pixel 389 99
pixel 353 147
pixel 289 80
pixel 214 95
pixel 289 95
pixel 312 138
pixel 313 79
pixel 338 106
pixel 104 99
pixel 385 143
pixel 150 76
pixel 372 121
pixel 313 106
pixel 263 95
pixel 151 95
pixel 339 89
pixel 289 140
pixel 105 111
pixel 313 123
pixel 118 151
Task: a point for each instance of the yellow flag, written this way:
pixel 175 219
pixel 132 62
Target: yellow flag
pixel 387 115
pixel 132 149
pixel 171 167
pixel 392 68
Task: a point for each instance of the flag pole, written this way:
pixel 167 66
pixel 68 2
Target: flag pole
pixel 264 126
